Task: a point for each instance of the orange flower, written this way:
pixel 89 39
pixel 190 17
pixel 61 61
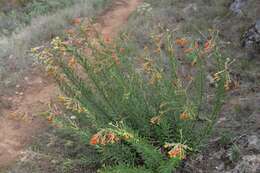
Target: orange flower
pixel 107 39
pixel 157 50
pixel 122 50
pixel 115 58
pixel 208 46
pixel 147 66
pixel 189 78
pixel 88 51
pixel 155 120
pixel 103 138
pixel 231 85
pixel 196 46
pixel 216 76
pixel 50 118
pixel 77 42
pixel 95 139
pixel 127 136
pixel 70 31
pixel 72 63
pixel 76 21
pixel 181 42
pixel 111 138
pixel 155 78
pixel 175 152
pixel 185 116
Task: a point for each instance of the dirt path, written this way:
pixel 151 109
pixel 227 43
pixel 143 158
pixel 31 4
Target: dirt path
pixel 21 122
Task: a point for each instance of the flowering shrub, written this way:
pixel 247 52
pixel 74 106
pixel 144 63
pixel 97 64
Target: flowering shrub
pixel 143 112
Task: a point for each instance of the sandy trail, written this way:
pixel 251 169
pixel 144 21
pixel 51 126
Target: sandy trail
pixel 21 122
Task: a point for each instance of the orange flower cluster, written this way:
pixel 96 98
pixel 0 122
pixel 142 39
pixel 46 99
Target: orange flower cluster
pixel 181 42
pixel 115 59
pixel 50 119
pixel 175 152
pixel 156 76
pixel 76 21
pixel 148 66
pixel 104 138
pixel 208 46
pixel 231 85
pixel 72 62
pixel 126 136
pixel 70 32
pixel 185 116
pixel 107 39
pixel 155 120
pixel 122 50
pixel 217 76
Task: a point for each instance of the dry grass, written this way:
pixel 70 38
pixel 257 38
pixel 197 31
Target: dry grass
pixel 41 28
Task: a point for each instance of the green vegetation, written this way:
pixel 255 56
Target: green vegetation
pixel 143 111
pixel 13 19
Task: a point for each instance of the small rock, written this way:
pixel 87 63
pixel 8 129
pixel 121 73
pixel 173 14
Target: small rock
pixel 220 167
pixel 73 117
pixel 257 26
pixel 54 161
pixel 221 120
pixel 190 8
pixel 210 79
pixel 237 6
pixel 17 86
pixel 255 119
pixel 254 143
pixel 251 38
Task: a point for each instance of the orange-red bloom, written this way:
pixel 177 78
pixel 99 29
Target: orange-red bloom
pixel 111 138
pixel 95 139
pixel 127 136
pixel 181 42
pixel 107 39
pixel 185 116
pixel 76 21
pixel 50 119
pixel 72 63
pixel 175 152
pixel 70 31
pixel 155 120
pixel 103 138
pixel 122 50
pixel 196 46
pixel 115 58
pixel 208 46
